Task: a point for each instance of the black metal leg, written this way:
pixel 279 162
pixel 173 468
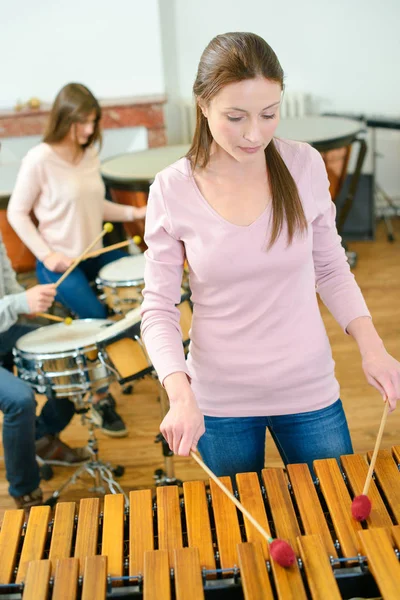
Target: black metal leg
pixel 102 473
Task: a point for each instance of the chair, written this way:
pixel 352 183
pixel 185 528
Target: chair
pixel 22 259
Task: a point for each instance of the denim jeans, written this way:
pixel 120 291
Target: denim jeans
pixel 20 426
pixel 75 292
pixel 233 445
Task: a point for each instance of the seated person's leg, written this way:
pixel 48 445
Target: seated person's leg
pixel 106 417
pixel 8 339
pixel 75 292
pixel 105 414
pixel 105 259
pixel 17 402
pixel 55 415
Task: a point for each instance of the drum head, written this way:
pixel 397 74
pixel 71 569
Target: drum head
pixel 118 329
pixel 61 337
pixel 124 271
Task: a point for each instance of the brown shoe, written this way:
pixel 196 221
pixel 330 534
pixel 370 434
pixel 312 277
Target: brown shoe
pixel 26 501
pixel 54 452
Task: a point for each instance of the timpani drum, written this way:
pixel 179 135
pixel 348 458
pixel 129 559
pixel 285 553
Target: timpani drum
pixel 122 282
pixel 334 138
pixel 128 177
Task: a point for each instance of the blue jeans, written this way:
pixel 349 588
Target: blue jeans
pixel 20 426
pixel 75 292
pixel 233 445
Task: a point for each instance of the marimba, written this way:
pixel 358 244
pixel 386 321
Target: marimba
pixel 197 545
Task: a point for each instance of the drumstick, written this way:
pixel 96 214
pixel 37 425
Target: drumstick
pixel 67 320
pixel 107 228
pixel 136 240
pixel 361 505
pixel 281 551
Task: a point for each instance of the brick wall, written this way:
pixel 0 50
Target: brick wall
pixel 129 112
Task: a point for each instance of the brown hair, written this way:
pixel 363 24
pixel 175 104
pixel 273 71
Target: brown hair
pixel 229 58
pixel 73 104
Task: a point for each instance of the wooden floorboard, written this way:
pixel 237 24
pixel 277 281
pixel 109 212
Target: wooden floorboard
pixel 377 272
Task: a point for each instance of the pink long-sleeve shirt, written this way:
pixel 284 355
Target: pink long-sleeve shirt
pixel 258 343
pixel 67 200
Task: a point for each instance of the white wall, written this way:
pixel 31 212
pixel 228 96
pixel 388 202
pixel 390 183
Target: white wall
pixel 170 39
pixel 346 53
pixel 113 47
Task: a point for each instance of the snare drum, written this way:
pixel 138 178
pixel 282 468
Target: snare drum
pixel 122 282
pixel 63 359
pixel 185 308
pixel 121 349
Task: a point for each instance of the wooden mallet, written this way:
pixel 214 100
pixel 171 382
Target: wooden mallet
pixel 136 240
pixel 361 505
pixel 281 551
pixel 107 228
pixel 66 320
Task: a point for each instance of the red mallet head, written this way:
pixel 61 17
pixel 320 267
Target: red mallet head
pixel 361 507
pixel 282 553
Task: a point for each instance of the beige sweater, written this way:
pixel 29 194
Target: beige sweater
pixel 67 200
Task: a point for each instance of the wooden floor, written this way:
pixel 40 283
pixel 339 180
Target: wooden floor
pixel 378 273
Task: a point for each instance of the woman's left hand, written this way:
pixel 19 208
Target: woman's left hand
pixel 383 373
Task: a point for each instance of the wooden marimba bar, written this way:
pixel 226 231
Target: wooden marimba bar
pixel 198 546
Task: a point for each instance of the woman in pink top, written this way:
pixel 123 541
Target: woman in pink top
pixel 253 217
pixel 60 184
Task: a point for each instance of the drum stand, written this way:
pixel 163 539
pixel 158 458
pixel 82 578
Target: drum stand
pixel 165 476
pixel 102 473
pixel 386 208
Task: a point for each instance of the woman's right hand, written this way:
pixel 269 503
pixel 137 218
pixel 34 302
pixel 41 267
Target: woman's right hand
pixel 57 262
pixel 183 425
